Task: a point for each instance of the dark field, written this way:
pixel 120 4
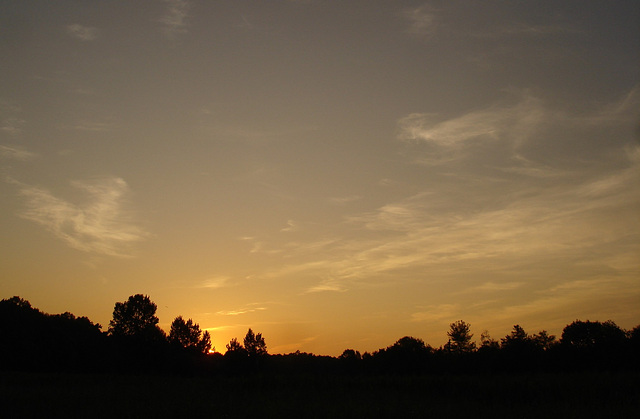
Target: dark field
pixel 577 395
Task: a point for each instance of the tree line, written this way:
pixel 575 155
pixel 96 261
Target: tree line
pixel 133 342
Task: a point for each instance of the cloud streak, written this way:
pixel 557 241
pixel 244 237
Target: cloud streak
pixel 98 225
pixel 15 153
pixel 81 32
pixel 498 210
pixel 422 21
pixel 93 126
pixel 215 282
pixel 249 308
pixel 175 17
pixel 10 122
pixel 450 139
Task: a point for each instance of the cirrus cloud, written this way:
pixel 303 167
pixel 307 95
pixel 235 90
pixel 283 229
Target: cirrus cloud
pixel 97 225
pixel 81 32
pixel 175 17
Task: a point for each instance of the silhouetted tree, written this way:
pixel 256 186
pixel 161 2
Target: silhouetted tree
pixel 136 318
pixel 350 360
pixel 517 339
pixel 235 347
pixel 236 356
pixel 634 345
pixel 543 340
pixel 188 335
pixel 407 355
pixel 487 342
pixel 518 347
pixel 587 334
pixel 205 343
pixel 350 355
pixel 595 345
pixel 487 357
pixel 31 339
pixel 634 336
pixel 460 338
pixel 17 303
pixel 521 351
pixel 409 344
pixel 254 344
pixel 20 328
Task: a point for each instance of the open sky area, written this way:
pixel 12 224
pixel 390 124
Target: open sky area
pixel 333 174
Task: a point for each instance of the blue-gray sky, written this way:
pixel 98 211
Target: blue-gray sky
pixel 333 174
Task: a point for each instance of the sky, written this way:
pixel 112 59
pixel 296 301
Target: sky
pixel 332 174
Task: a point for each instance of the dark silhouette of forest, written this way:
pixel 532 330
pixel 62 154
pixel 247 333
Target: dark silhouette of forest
pixel 31 340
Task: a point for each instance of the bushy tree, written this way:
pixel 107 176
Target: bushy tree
pixel 460 338
pixel 409 344
pixel 17 303
pixel 30 338
pixel 187 335
pixel 350 355
pixel 587 334
pixel 634 335
pixel 407 355
pixel 136 318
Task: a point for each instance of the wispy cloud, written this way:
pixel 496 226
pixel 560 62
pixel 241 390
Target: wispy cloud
pixel 422 21
pixel 492 286
pixel 219 328
pixel 291 226
pixel 94 126
pixel 12 125
pixel 175 17
pixel 81 32
pixel 10 121
pixel 296 346
pixel 15 153
pixel 436 313
pixel 249 308
pixel 497 209
pixel 506 133
pixel 244 23
pixel 345 199
pixel 328 285
pixel 215 282
pixel 524 29
pixel 97 225
pixel 450 138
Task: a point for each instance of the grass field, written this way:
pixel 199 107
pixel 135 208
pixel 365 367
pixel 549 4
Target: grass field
pixel 578 395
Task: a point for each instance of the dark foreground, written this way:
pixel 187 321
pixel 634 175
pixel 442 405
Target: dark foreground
pixel 575 395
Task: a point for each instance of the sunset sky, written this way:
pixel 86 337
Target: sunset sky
pixel 333 174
